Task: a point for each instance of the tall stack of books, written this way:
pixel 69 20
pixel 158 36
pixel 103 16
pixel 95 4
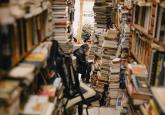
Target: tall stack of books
pixel 103 13
pixel 61 22
pixel 9 97
pixel 60 19
pixel 110 46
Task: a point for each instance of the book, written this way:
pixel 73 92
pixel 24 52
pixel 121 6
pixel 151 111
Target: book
pixel 114 93
pixel 47 90
pixel 106 111
pixel 138 69
pixel 39 54
pixel 9 55
pixel 154 108
pixel 160 25
pixel 158 93
pixel 9 90
pixel 157 74
pixel 36 105
pixel 141 85
pixel 23 71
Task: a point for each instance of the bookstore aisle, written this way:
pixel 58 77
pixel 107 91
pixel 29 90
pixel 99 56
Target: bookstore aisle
pixel 82 57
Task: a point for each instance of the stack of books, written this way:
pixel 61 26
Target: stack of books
pixel 125 37
pixel 137 83
pixel 45 100
pixel 60 19
pixel 62 24
pixel 92 53
pixel 102 111
pixel 9 97
pixel 124 24
pixel 110 67
pixel 114 81
pixel 103 13
pixel 26 71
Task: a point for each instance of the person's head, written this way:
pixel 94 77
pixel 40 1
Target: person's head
pixel 75 40
pixel 85 48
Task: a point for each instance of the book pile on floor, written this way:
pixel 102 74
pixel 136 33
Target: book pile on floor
pixel 61 22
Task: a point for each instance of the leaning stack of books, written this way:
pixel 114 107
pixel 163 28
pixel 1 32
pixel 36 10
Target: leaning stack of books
pixel 137 83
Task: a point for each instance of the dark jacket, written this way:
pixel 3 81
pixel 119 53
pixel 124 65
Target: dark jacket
pixel 81 60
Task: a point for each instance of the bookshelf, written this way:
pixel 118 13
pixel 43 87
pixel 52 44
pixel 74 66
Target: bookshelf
pixel 27 84
pixel 23 34
pixel 141 16
pixel 159 29
pixel 147 47
pixel 146 31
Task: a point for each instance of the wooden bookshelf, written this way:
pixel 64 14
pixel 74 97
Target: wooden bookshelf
pixel 31 28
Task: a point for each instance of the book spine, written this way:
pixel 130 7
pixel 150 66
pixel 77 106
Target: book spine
pixel 6 34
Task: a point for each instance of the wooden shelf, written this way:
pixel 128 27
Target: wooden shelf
pixel 147 4
pixel 143 31
pixel 158 46
pixel 135 57
pixel 154 44
pixel 162 4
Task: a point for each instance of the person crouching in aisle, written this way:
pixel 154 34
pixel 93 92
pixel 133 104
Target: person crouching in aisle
pixel 83 67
